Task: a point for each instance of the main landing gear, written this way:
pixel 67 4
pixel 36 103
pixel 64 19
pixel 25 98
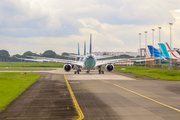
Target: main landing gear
pixel 87 71
pixel 77 71
pixel 100 70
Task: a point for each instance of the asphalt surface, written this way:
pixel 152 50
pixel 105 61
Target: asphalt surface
pixel 48 98
pixel 116 96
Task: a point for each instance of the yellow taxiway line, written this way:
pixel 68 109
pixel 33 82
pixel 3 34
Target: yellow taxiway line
pixel 139 94
pixel 74 100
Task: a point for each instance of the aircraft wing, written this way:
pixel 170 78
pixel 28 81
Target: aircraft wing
pixel 82 56
pixel 113 61
pixel 43 59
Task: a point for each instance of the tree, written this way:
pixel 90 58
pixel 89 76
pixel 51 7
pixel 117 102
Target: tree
pixel 29 53
pixel 49 53
pixel 105 54
pixel 65 54
pixel 178 51
pixel 4 54
pixel 125 56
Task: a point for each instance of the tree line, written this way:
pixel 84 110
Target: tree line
pixel 5 56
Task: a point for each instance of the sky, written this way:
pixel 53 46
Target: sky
pixel 59 25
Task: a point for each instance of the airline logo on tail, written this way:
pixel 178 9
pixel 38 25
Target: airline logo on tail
pixel 175 55
pixel 154 51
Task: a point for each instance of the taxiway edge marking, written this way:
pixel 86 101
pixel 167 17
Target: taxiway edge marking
pixel 139 94
pixel 74 99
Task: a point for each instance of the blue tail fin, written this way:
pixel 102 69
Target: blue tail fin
pixel 157 54
pixel 78 49
pixel 84 48
pixel 90 50
pixel 164 50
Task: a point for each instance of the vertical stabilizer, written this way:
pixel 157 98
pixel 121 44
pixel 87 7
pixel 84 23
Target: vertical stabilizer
pixel 157 54
pixel 78 49
pixel 173 52
pixel 84 48
pixel 90 49
pixel 164 50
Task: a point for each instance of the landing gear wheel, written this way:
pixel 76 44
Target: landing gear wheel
pixel 74 72
pixel 102 72
pixel 77 72
pixel 99 72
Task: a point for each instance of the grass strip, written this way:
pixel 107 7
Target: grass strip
pixel 31 64
pixel 18 69
pixel 12 85
pixel 159 73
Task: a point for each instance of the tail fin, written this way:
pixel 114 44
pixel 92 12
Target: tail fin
pixel 157 54
pixel 90 50
pixel 78 49
pixel 174 55
pixel 84 48
pixel 147 55
pixel 164 50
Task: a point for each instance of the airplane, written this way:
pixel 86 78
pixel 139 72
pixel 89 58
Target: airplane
pixel 157 54
pixel 88 62
pixel 166 50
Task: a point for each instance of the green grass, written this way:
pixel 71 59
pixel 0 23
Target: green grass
pixel 31 64
pixel 12 85
pixel 18 69
pixel 159 73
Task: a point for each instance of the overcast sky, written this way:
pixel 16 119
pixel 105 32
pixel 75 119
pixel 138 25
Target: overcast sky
pixel 58 25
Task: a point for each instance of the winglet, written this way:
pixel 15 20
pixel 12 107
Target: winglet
pixel 84 48
pixel 90 50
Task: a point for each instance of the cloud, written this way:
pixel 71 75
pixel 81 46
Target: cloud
pixel 38 25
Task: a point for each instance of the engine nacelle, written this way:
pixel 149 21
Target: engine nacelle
pixel 67 67
pixel 109 67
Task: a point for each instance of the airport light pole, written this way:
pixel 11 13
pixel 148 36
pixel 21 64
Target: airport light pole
pixel 140 45
pixel 153 43
pixel 146 44
pixel 159 42
pixel 170 45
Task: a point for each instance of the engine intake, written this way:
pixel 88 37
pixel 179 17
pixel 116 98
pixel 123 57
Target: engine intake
pixel 67 67
pixel 109 67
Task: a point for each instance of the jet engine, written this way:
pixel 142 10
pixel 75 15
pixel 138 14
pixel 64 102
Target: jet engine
pixel 109 67
pixel 67 67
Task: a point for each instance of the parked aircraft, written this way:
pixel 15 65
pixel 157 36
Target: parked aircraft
pixel 165 48
pixel 157 54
